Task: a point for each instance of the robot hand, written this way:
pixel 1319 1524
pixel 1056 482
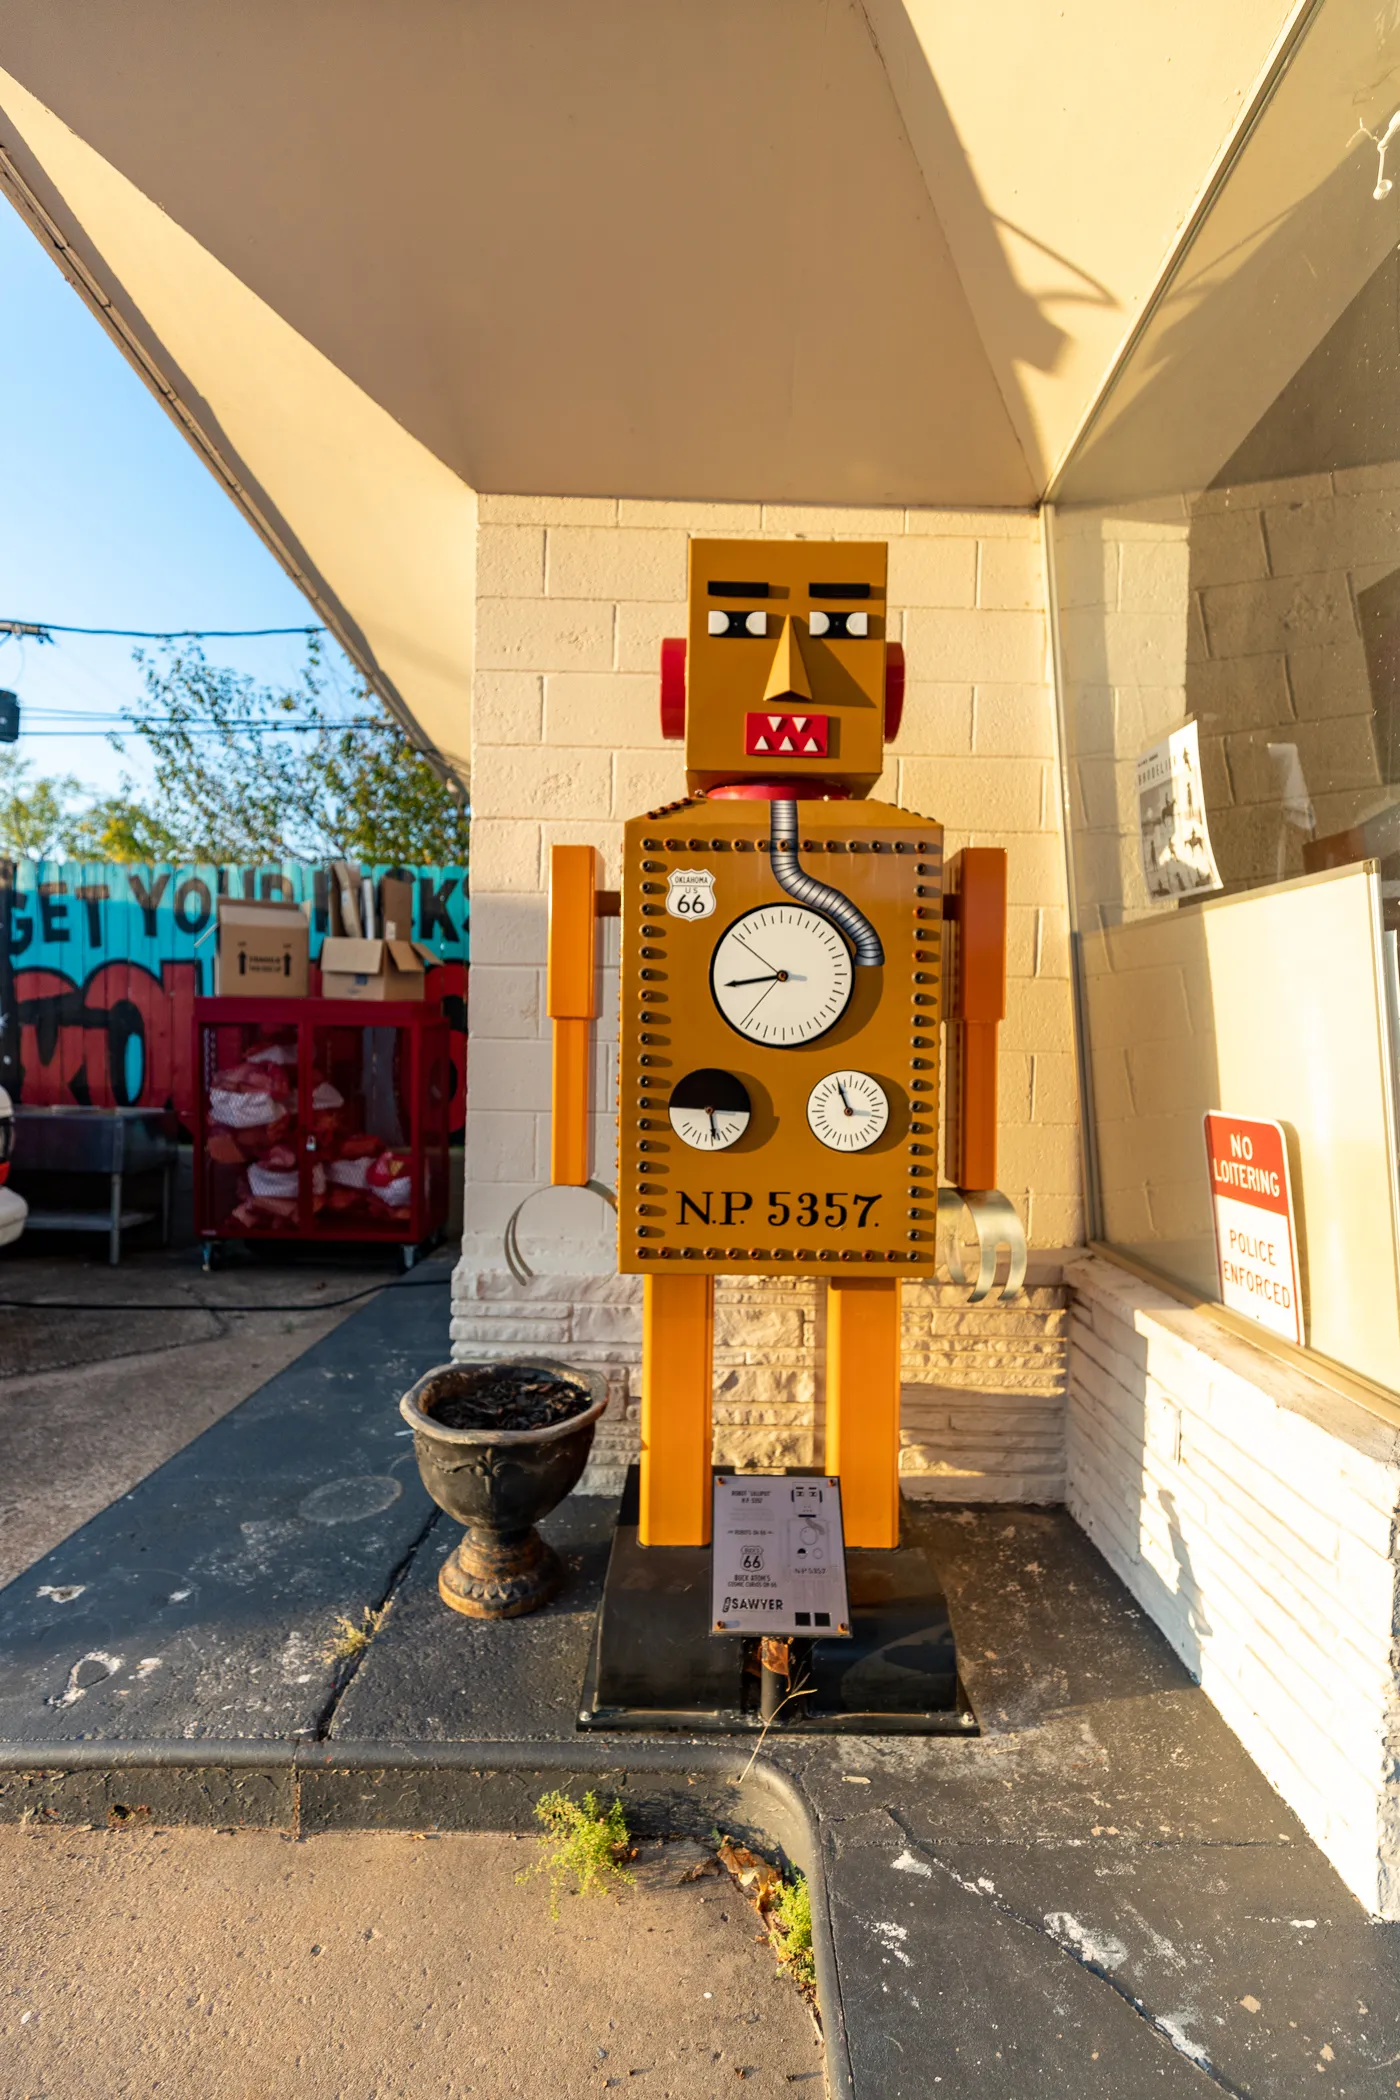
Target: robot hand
pixel 996 1226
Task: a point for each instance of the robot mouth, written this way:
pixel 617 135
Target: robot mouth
pixel 785 736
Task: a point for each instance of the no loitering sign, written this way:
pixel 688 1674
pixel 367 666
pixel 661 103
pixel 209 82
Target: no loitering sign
pixel 1256 1248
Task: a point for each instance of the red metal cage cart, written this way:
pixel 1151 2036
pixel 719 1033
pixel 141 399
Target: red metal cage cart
pixel 321 1119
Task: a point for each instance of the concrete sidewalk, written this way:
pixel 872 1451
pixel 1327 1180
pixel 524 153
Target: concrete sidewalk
pixel 230 1964
pixel 1100 1895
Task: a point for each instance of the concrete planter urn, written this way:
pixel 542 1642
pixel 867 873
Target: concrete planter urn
pixel 498 1480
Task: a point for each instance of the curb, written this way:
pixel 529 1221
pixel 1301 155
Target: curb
pixel 387 1786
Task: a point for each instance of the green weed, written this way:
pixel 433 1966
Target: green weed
pixel 583 1844
pixel 350 1640
pixel 790 1929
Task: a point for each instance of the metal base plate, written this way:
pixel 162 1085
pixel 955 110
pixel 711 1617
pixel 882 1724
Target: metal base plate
pixel 656 1665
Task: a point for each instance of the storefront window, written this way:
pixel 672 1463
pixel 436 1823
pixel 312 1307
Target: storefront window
pixel 1226 552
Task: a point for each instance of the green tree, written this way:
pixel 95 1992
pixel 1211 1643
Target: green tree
pixel 36 816
pixel 247 772
pixel 117 827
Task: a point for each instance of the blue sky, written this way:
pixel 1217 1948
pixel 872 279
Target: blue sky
pixel 108 518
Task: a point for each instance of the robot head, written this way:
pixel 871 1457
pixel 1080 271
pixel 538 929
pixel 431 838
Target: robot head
pixel 786 675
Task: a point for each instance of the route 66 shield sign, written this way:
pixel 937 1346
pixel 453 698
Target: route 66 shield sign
pixel 690 893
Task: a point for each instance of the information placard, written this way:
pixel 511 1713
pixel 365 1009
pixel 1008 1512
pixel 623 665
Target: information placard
pixel 1255 1243
pixel 779 1556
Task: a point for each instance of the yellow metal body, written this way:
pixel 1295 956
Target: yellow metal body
pixel 862 1404
pixel 678 1347
pixel 779 1202
pixel 572 1001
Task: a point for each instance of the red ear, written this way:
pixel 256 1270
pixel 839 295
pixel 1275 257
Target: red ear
pixel 894 689
pixel 673 688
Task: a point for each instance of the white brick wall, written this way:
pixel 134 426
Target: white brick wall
pixel 576 595
pixel 1252 1511
pixel 984 1403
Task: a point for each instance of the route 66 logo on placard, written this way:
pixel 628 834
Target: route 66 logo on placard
pixel 691 893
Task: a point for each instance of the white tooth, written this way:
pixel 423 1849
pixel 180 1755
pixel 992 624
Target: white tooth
pixel 775 721
pixel 719 623
pixel 818 623
pixel 858 624
pixel 762 744
pixel 799 723
pixel 757 623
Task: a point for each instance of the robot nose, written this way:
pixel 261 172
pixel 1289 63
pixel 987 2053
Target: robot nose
pixel 787 674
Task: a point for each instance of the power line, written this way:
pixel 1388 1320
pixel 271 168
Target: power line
pixel 123 725
pixel 45 630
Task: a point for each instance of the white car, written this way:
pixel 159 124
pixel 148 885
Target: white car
pixel 13 1208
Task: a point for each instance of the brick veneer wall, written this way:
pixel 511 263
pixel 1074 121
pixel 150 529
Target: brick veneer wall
pixel 984 1407
pixel 1252 1511
pixel 575 596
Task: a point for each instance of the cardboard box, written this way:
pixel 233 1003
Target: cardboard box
pixel 396 908
pixel 345 901
pixel 352 969
pixel 264 949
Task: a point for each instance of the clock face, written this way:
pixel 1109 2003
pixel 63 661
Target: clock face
pixel 781 975
pixel 709 1110
pixel 848 1111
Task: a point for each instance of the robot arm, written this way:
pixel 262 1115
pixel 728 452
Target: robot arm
pixel 571 1000
pixel 977 895
pixel 572 1003
pixel 976 904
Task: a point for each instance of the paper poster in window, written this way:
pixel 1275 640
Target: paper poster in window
pixel 1177 860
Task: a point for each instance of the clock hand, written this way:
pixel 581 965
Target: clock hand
pixel 740 942
pixel 757 1003
pixel 844 1102
pixel 714 1127
pixel 773 977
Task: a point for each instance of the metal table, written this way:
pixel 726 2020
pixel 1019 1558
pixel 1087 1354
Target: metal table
pixel 117 1142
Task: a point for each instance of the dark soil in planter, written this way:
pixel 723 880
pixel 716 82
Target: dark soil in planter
pixel 513 1397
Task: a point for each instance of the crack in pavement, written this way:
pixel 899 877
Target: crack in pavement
pixel 349 1670
pixel 1081 1954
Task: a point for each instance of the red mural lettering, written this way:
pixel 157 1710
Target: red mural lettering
pixel 125 1038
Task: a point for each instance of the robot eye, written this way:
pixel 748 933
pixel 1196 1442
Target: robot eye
pixel 839 626
pixel 738 622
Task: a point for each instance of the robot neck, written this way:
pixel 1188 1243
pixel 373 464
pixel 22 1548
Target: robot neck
pixel 804 790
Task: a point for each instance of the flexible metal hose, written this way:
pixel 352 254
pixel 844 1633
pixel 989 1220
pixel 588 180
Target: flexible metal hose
pixel 788 874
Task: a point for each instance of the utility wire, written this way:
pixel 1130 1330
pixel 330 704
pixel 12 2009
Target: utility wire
pixel 45 630
pixel 217 729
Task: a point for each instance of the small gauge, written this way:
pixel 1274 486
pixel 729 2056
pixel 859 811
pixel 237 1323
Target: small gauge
pixel 709 1110
pixel 848 1111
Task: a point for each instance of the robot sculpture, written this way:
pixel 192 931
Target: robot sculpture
pixel 791 953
